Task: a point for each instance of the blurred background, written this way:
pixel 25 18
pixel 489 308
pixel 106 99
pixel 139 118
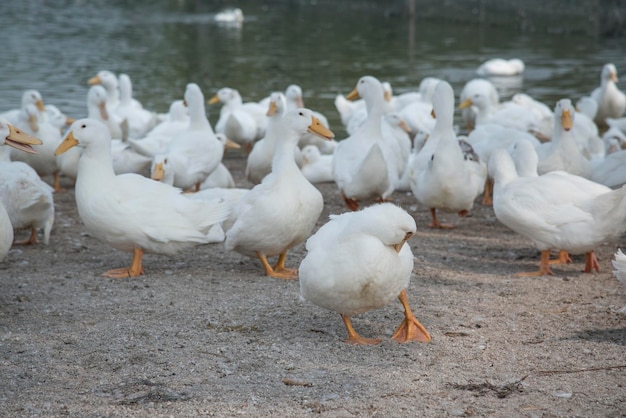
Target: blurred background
pixel 322 45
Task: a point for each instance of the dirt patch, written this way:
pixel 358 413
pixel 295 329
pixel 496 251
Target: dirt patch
pixel 204 333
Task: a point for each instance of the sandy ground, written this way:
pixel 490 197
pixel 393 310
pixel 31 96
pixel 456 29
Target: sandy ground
pixel 206 334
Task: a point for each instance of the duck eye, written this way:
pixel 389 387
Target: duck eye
pixel 83 126
pixel 300 113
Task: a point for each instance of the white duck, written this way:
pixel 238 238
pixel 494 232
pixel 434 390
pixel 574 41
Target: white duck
pixel 140 120
pixel 195 152
pixel 557 210
pixel 99 109
pixel 259 162
pixel 611 101
pixel 362 167
pixel 510 114
pixel 29 97
pixel 44 161
pixel 563 153
pixel 130 212
pixel 240 122
pixel 501 67
pixel 108 80
pixel 280 212
pixel 12 137
pixel 441 177
pixel 26 198
pixel 230 16
pixel 316 167
pixel 360 261
pixel 471 88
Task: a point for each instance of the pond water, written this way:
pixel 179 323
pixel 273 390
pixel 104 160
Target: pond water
pixel 56 46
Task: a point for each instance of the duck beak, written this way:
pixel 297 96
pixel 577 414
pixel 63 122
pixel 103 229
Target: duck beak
pixel 40 106
pixel 387 96
pixel 299 102
pixel 614 77
pixel 68 142
pixel 404 126
pixel 467 103
pixel 354 94
pixel 94 80
pixel 566 120
pixel 69 121
pixel 399 245
pixel 158 173
pixel 318 129
pixel 230 144
pixel 214 99
pixel 272 110
pixel 21 141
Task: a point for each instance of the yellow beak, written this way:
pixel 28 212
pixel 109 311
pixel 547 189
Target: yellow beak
pixel 404 126
pixel 40 106
pixel 230 144
pixel 158 173
pixel 387 96
pixel 354 94
pixel 68 142
pixel 94 80
pixel 317 128
pixel 272 110
pixel 399 245
pixel 566 120
pixel 214 99
pixel 19 140
pixel 465 104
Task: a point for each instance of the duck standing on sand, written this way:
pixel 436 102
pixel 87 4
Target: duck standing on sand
pixel 360 261
pixel 130 212
pixel 281 211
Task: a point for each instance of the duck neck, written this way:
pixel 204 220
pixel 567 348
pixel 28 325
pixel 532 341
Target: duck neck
pixel 197 117
pixel 284 152
pixel 97 159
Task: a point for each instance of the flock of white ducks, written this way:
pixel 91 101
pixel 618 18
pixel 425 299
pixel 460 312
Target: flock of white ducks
pixel 541 162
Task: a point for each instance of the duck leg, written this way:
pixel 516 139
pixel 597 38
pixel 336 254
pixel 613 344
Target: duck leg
pixel 591 262
pixel 410 329
pixel 353 337
pixel 57 182
pixel 31 240
pixel 352 204
pixel 487 201
pixel 135 269
pixel 544 267
pixel 279 267
pixel 435 223
pixel 286 274
pixel 563 258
